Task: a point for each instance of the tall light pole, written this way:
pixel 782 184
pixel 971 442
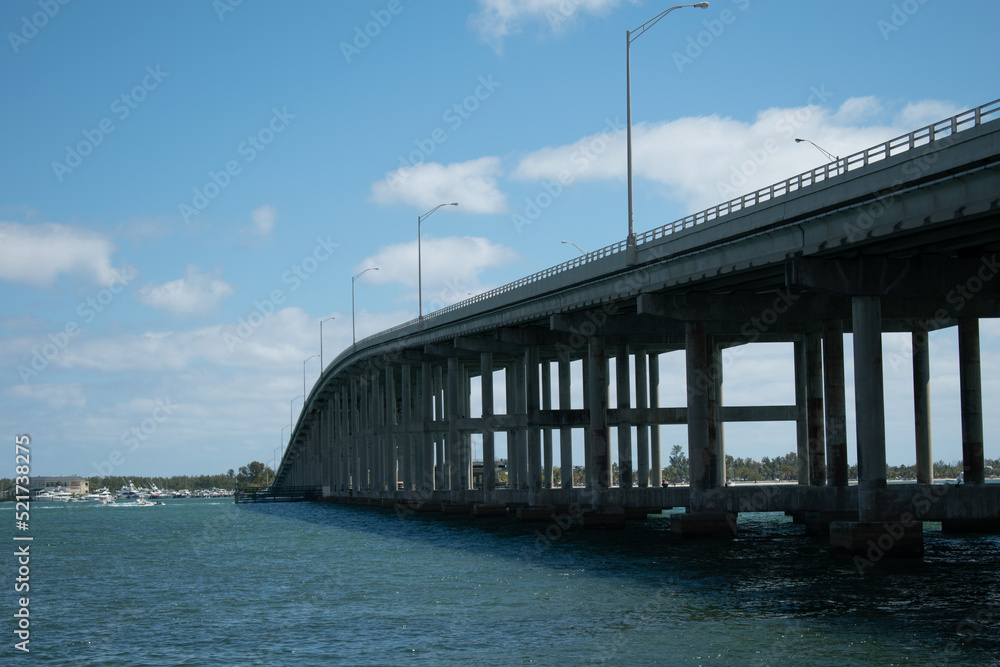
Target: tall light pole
pixel 575 246
pixel 829 156
pixel 304 373
pixel 420 288
pixel 631 36
pixel 321 366
pixel 354 336
pixel 281 441
pixel 290 404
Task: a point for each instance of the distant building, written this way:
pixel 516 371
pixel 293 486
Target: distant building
pixel 77 486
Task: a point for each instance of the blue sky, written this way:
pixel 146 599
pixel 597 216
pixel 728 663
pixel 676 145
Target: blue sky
pixel 187 188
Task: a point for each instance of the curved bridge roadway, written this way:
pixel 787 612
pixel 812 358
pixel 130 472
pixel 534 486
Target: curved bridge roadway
pixel 901 237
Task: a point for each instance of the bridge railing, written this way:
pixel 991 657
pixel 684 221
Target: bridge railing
pixel 925 135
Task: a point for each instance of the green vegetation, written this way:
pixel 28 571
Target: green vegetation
pixel 254 474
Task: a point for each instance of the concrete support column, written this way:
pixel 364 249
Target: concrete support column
pixel 971 391
pixel 425 451
pixel 392 424
pixel 642 429
pixel 489 454
pixel 565 433
pixel 547 432
pixel 531 422
pixel 464 461
pixel 815 411
pixel 702 466
pixel 513 433
pixel 338 443
pixel 438 437
pixel 405 442
pixel 836 403
pixel 655 459
pixel 520 391
pixel 451 402
pixel 869 402
pixel 378 432
pixel 597 391
pixel 922 406
pixel 802 418
pixel 359 441
pixel 624 401
pixel 716 427
pixel 347 448
pixel 364 390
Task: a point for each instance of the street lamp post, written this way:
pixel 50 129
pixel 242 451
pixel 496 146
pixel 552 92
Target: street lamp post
pixel 575 246
pixel 290 404
pixel 631 36
pixel 829 156
pixel 354 336
pixel 304 372
pixel 321 366
pixel 420 288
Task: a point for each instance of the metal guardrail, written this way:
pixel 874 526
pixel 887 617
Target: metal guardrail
pixel 925 135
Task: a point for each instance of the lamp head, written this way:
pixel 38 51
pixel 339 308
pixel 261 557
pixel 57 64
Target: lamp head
pixel 700 5
pixel 799 141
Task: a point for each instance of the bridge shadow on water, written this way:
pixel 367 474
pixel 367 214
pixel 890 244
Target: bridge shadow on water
pixel 771 570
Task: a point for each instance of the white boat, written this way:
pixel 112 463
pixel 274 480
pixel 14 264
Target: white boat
pixel 101 494
pixel 130 492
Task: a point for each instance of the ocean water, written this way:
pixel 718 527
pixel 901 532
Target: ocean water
pixel 208 582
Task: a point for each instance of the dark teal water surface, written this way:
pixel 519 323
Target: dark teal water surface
pixel 208 582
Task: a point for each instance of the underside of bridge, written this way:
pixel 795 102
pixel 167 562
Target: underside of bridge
pixel 908 243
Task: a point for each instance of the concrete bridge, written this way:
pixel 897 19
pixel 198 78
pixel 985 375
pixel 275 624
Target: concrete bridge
pixel 902 237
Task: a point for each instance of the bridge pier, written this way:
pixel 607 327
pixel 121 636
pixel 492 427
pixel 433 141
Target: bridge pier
pixel 565 432
pixel 835 403
pixel 596 388
pixel 624 402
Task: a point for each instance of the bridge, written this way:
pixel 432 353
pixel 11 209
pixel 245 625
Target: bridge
pixel 901 237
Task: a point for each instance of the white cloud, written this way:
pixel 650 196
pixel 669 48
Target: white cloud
pixel 57 396
pixel 264 218
pixel 703 161
pixel 472 184
pixel 37 254
pixel 499 19
pixel 925 112
pixel 280 340
pixel 194 294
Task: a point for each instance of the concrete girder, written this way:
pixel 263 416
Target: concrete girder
pixel 924 277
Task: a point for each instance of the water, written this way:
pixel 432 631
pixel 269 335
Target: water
pixel 208 582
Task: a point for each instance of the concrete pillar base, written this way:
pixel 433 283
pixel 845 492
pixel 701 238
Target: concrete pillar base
pixel 818 523
pixel 704 524
pixel 875 540
pixel 481 511
pixel 603 519
pixel 971 525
